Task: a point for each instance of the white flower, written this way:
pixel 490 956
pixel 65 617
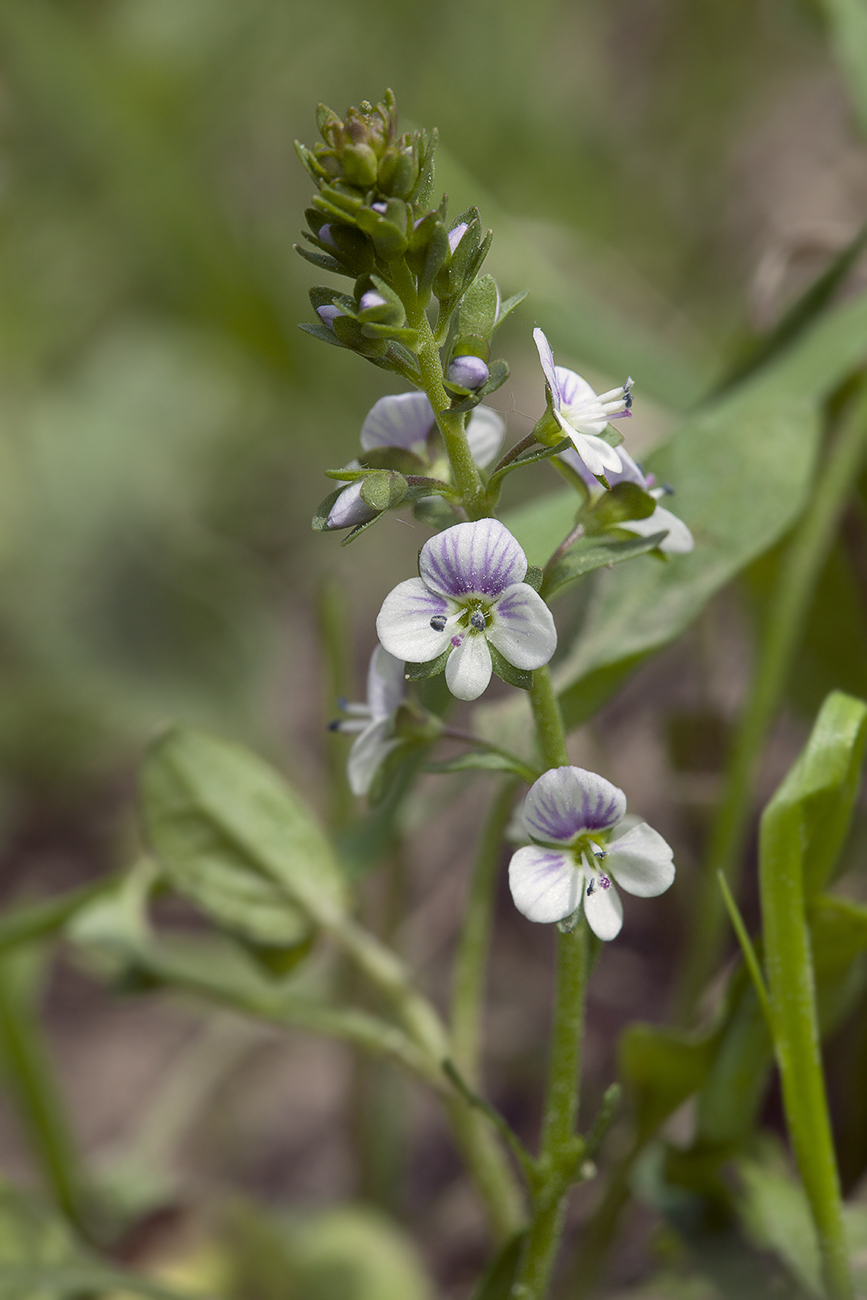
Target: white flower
pixel 580 413
pixel 679 540
pixel 405 420
pixel 470 596
pixel 581 838
pixel 373 721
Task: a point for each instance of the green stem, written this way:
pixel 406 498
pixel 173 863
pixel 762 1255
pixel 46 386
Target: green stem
pixel 785 619
pixel 30 1079
pixel 559 1145
pixel 472 956
pixel 450 423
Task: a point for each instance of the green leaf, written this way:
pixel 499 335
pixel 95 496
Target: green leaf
pixel 801 831
pixel 520 677
pixel 591 553
pixel 418 672
pixel 478 310
pixel 236 839
pixel 848 20
pixel 743 469
pixel 509 306
pixel 664 1067
pixel 776 1215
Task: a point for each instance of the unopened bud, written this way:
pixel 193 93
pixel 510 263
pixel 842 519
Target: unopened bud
pixel 456 235
pixel 371 299
pixel 467 372
pixel 328 313
pixel 349 509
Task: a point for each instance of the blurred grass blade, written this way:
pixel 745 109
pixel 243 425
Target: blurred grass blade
pixel 790 828
pixel 848 22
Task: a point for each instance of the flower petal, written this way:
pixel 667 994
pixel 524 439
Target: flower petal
pixel 640 861
pixel 350 509
pixel 679 540
pixel 522 627
pixel 481 559
pixel 546 356
pixel 596 453
pixel 468 668
pixel 367 753
pixel 400 420
pixel 385 683
pixel 485 432
pixel 567 802
pixel 403 623
pixel 546 885
pixel 576 392
pixel 604 912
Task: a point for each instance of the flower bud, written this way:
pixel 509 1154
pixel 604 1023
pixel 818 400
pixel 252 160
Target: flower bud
pixel 327 314
pixel 350 509
pixel 467 372
pixel 371 299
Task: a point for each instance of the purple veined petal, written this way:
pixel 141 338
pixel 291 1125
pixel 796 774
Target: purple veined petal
pixel 546 885
pixel 403 623
pixel 567 802
pixel 400 420
pixel 367 753
pixel 577 393
pixel 546 356
pixel 480 559
pixel 522 627
pixel 596 453
pixel 350 508
pixel 485 432
pixel 679 541
pixel 468 668
pixel 385 683
pixel 640 861
pixel 604 912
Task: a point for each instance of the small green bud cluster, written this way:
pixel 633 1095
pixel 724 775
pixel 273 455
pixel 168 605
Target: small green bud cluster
pixel 371 220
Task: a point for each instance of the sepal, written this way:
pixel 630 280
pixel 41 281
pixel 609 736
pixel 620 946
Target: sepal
pixel 623 502
pixel 419 672
pixel 520 677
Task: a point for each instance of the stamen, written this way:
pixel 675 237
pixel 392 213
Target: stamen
pixel 591 888
pixel 477 620
pixel 438 622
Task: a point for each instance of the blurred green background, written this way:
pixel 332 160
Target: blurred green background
pixel 663 176
pixel 164 423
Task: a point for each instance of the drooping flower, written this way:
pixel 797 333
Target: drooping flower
pixel 679 540
pixel 404 420
pixel 374 721
pixel 582 838
pixel 470 596
pixel 580 412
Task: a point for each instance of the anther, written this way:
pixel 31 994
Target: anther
pixel 591 888
pixel 477 620
pixel 438 622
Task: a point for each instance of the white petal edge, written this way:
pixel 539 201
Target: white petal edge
pixel 350 508
pixel 546 885
pixel 485 432
pixel 468 668
pixel 399 420
pixel 604 912
pixel 523 628
pixel 640 861
pixel 403 623
pixel 595 452
pixel 679 540
pixel 482 558
pixel 546 356
pixel 366 755
pixel 385 683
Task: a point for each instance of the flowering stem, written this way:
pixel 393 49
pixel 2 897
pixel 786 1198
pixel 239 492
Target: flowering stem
pixel 559 1146
pixel 450 423
pixel 785 619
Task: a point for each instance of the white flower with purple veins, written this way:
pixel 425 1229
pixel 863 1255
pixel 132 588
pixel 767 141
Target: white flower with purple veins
pixel 679 540
pixel 580 413
pixel 374 721
pixel 471 596
pixel 405 420
pixel 583 841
